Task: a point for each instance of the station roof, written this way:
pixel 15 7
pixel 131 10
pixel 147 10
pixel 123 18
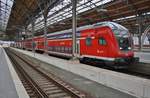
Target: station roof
pixel 23 10
pixel 125 12
pixel 5 10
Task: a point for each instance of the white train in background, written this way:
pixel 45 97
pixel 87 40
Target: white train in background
pixel 6 43
pixel 146 41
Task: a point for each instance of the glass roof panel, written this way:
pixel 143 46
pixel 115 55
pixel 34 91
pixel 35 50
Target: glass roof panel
pixel 5 10
pixel 56 14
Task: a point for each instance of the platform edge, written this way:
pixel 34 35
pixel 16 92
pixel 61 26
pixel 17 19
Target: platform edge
pixel 17 82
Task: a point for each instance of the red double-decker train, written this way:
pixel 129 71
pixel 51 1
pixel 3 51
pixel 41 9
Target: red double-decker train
pixel 104 41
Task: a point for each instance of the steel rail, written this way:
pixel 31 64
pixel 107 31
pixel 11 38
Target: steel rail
pixel 26 77
pixel 72 92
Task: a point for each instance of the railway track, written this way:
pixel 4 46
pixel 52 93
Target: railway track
pixel 40 84
pixel 136 69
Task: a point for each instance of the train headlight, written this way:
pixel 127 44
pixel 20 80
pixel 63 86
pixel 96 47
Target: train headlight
pixel 120 48
pixel 129 48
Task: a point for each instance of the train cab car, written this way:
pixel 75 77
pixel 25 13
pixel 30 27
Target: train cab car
pixel 108 41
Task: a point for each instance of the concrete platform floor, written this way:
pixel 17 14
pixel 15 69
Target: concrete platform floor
pixel 10 84
pixel 91 87
pixel 7 87
pixel 144 56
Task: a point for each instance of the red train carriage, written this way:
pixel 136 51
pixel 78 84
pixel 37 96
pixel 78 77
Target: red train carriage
pixel 39 43
pixel 28 44
pixel 60 44
pixel 107 41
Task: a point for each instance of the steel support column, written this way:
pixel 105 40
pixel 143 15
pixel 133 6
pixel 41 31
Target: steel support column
pixel 44 12
pixel 45 32
pixel 25 32
pixel 18 38
pixel 140 35
pixel 140 31
pixel 21 34
pixel 74 24
pixel 33 24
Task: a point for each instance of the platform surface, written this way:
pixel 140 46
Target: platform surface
pixel 7 87
pixel 10 84
pixel 94 88
pixel 147 49
pixel 144 56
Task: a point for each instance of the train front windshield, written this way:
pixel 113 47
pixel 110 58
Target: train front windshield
pixel 124 43
pixel 122 36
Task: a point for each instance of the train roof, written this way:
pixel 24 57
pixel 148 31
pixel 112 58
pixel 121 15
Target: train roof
pixel 96 25
pixel 70 30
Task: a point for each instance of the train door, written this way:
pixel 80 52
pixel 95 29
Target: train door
pixel 102 47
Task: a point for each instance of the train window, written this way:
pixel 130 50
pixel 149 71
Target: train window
pixel 102 41
pixel 65 49
pixel 70 50
pixel 55 48
pixel 58 48
pixel 50 48
pixel 88 41
pixel 62 49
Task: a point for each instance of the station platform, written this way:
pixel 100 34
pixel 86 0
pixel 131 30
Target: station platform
pixel 10 85
pixel 147 49
pixel 144 56
pixel 98 82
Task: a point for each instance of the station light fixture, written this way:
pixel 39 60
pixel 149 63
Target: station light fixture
pixel 137 24
pixel 101 10
pixel 63 23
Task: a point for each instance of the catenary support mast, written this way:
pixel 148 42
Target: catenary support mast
pixel 74 3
